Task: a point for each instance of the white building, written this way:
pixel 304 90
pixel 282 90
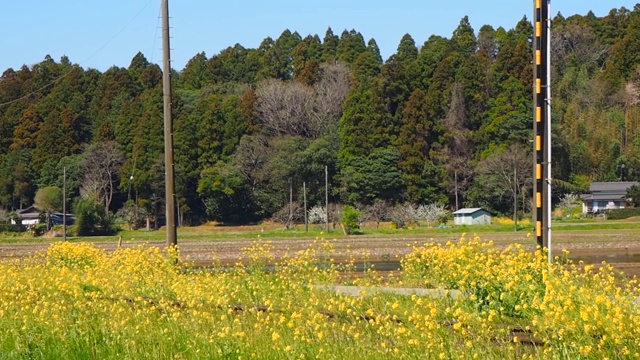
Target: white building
pixel 471 216
pixel 28 216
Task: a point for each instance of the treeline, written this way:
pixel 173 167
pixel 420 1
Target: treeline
pixel 447 122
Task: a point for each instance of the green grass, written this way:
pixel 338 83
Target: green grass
pixel 596 226
pixel 213 233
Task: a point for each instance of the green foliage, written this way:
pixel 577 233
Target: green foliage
pixel 91 219
pixel 226 194
pixel 350 46
pixel 196 74
pixel 276 60
pixel 633 196
pixel 132 214
pixel 509 116
pixel 377 176
pixel 38 229
pixel 12 228
pixel 49 199
pixel 618 214
pixel 418 134
pixel 463 40
pixel 350 219
pixel 356 123
pixel 17 179
pixel 330 46
pixel 407 50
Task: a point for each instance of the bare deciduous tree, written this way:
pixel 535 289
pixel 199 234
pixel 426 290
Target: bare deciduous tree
pixel 289 215
pixel 297 109
pixel 576 43
pixel 101 164
pixel 335 214
pixel 404 215
pixel 376 212
pixel 458 153
pixel 284 107
pixel 329 96
pixel 508 172
pixel 250 157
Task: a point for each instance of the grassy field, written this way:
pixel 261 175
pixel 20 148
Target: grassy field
pixel 210 232
pixel 208 243
pixel 77 301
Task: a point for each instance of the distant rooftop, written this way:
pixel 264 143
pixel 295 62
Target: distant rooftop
pixel 611 186
pixel 467 211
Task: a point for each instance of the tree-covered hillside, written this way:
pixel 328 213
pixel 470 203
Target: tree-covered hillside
pixel 446 119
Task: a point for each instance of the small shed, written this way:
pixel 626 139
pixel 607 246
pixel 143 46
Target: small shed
pixel 471 216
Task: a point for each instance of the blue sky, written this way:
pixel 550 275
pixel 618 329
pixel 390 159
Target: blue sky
pixel 100 34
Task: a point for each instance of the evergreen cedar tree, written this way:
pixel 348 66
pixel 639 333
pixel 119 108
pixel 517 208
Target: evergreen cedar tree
pixel 434 117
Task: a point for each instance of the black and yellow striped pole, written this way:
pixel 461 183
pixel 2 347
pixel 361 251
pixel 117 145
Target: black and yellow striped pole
pixel 542 123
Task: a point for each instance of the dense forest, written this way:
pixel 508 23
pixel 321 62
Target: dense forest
pixel 446 122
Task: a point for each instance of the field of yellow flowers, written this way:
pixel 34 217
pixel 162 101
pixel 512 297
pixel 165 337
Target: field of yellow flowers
pixel 75 301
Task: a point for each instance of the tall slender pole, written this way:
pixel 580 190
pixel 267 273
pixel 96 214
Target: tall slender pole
pixel 542 124
pixel 172 234
pixel 304 194
pixel 64 203
pixel 326 198
pixel 547 153
pixel 515 198
pixel 455 180
pixel 290 202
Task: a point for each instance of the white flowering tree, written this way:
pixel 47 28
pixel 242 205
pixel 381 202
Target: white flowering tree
pixel 431 214
pixel 569 203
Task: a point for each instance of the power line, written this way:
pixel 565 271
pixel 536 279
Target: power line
pixel 85 60
pixel 119 31
pixel 155 36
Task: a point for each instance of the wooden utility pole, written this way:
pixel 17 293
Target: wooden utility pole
pixel 515 198
pixel 172 234
pixel 304 193
pixel 290 222
pixel 455 180
pixel 542 123
pixel 326 198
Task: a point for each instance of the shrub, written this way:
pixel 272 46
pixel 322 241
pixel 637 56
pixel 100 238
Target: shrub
pixel 92 220
pixel 132 214
pixel 350 219
pixel 12 228
pixel 617 214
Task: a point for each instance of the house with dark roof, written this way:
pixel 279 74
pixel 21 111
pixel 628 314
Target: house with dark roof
pixel 33 215
pixel 28 216
pixel 605 195
pixel 471 216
